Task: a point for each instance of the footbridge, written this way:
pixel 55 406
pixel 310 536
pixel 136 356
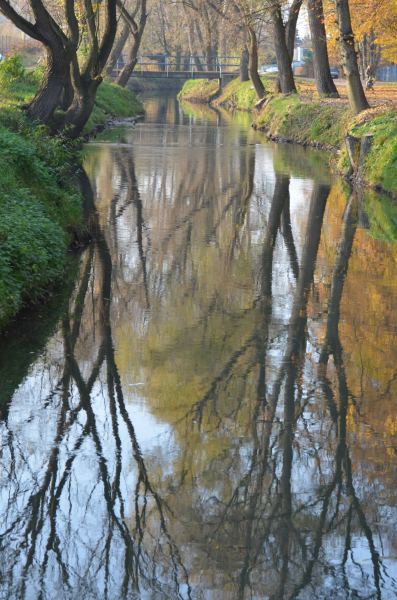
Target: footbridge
pixel 163 66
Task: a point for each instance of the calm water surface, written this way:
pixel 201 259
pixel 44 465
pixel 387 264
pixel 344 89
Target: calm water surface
pixel 208 411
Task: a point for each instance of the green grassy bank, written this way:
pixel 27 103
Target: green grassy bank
pixel 233 96
pixel 113 101
pixel 327 125
pixel 313 123
pixel 40 207
pixel 202 91
pixel 287 118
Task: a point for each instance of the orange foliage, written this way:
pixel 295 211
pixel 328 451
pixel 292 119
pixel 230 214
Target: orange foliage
pixel 378 17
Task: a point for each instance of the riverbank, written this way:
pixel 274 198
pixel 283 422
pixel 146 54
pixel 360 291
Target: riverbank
pixel 236 95
pixel 40 205
pixel 304 120
pixel 202 91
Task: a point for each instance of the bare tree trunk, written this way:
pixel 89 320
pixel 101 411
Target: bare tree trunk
pixel 324 83
pixel 286 76
pixel 290 30
pixel 375 53
pixel 362 55
pixel 211 39
pixel 178 58
pixel 129 67
pixel 198 63
pixel 201 45
pixel 290 33
pixel 244 62
pixel 86 80
pixel 136 30
pixel 253 64
pixel 117 49
pixel 68 92
pixel 50 94
pixel 355 90
pixel 81 107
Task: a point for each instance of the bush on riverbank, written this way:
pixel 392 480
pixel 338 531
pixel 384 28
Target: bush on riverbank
pixel 37 209
pixel 40 208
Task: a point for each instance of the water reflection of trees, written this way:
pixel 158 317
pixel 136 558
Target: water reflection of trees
pixel 262 393
pixel 277 543
pixel 259 497
pixel 44 538
pixel 282 541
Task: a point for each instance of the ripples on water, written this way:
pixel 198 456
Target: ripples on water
pixel 208 410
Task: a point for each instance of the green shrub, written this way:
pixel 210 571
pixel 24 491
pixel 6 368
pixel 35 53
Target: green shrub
pixel 32 252
pixel 36 75
pixel 40 163
pixel 11 70
pixel 36 210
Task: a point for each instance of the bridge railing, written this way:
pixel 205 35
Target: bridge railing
pixel 192 64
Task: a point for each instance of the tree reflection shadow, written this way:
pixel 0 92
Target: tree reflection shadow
pixel 134 550
pixel 260 499
pixel 281 540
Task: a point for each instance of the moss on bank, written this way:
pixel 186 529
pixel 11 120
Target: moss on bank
pixel 286 117
pixel 113 101
pixel 381 162
pixel 235 95
pixel 199 90
pixel 40 207
pixel 238 95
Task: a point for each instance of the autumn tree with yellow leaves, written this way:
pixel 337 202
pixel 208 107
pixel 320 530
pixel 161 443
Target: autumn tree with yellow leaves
pixel 374 24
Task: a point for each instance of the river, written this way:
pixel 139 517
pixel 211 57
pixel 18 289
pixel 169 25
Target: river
pixel 207 410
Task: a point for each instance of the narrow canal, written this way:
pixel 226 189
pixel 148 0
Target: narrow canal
pixel 208 409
